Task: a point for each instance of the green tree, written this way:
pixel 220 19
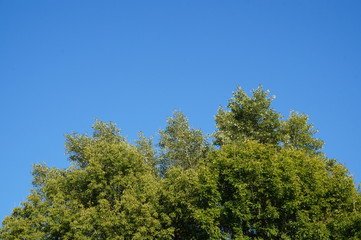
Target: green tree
pixel 249 118
pixel 253 118
pixel 298 134
pixel 110 194
pixel 266 180
pixel 267 193
pixel 180 145
pixel 145 147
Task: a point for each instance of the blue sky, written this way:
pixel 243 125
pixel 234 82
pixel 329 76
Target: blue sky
pixel 65 63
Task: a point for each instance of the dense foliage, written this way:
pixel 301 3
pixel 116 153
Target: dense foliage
pixel 263 177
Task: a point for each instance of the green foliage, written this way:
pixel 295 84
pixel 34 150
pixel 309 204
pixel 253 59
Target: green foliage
pixel 249 118
pixel 252 118
pixel 298 134
pixel 191 200
pixel 145 147
pixel 111 194
pixel 269 193
pixel 266 180
pixel 180 145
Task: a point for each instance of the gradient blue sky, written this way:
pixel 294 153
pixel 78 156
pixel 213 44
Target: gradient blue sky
pixel 65 63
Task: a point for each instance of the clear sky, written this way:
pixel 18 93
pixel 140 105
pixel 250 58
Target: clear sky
pixel 65 63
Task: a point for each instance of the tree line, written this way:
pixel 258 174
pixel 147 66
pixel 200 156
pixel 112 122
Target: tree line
pixel 259 176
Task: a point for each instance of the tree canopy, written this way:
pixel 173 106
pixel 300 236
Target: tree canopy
pixel 263 177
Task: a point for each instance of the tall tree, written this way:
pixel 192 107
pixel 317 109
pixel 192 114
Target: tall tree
pixel 253 118
pixel 298 134
pixel 181 145
pixel 145 147
pixel 266 180
pixel 249 118
pixel 111 193
pixel 267 193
